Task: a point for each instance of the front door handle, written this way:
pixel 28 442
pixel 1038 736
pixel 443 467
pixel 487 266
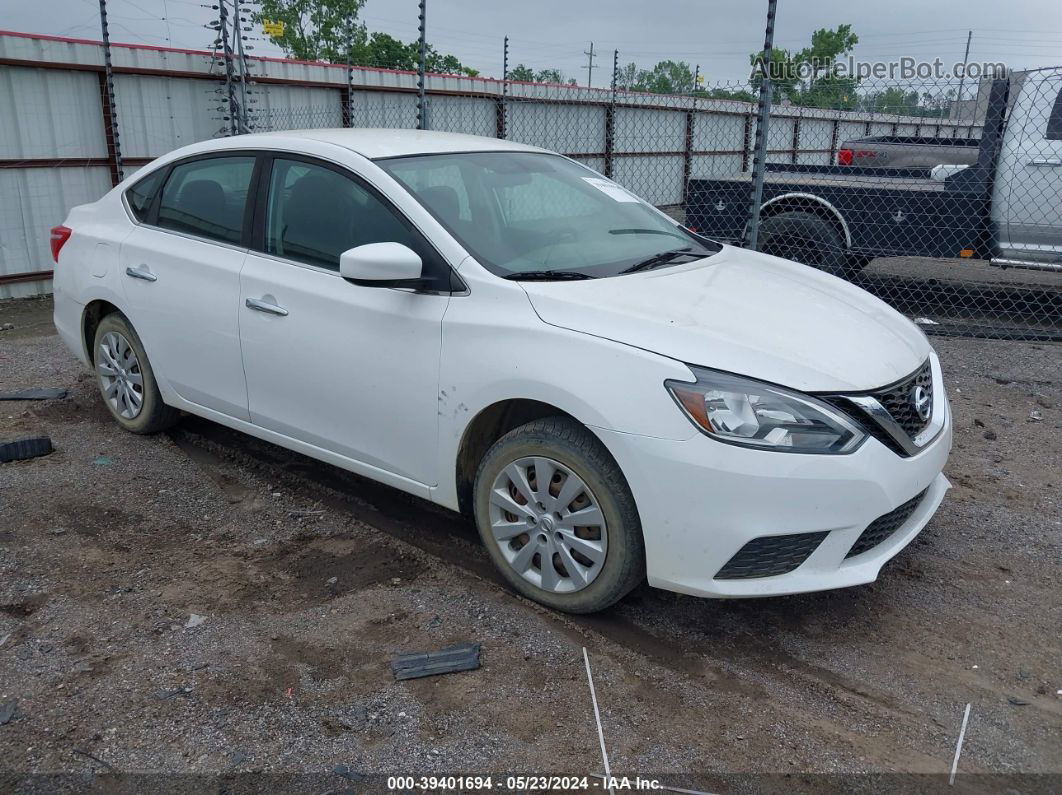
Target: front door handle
pixel 141 273
pixel 1053 162
pixel 259 305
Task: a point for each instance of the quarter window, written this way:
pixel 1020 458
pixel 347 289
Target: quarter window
pixel 142 194
pixel 1054 121
pixel 314 214
pixel 207 197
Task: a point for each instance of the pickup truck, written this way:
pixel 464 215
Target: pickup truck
pixel 907 151
pixel 1006 206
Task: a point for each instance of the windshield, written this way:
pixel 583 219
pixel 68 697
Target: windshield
pixel 529 214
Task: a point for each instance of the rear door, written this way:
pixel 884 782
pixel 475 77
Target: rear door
pixel 1031 162
pixel 181 273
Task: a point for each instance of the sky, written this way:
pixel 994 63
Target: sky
pixel 716 34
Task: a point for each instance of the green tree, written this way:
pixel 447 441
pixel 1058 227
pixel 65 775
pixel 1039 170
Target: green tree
pixel 328 30
pixel 386 52
pixel 667 77
pixel 627 77
pixel 315 30
pixel 523 73
pixel 740 95
pixel 549 76
pixel 809 76
pixel 892 100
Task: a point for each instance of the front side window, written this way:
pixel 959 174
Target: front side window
pixel 207 198
pixel 314 214
pixel 540 214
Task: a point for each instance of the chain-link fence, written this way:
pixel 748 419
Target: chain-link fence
pixel 941 196
pixel 949 209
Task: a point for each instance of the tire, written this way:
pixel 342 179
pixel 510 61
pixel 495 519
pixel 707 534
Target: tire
pixel 618 547
pixel 151 415
pixel 806 238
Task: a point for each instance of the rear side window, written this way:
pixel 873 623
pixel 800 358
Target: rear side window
pixel 1054 121
pixel 141 195
pixel 207 198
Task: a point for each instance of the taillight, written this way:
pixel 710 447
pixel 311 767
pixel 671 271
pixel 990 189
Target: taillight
pixel 60 234
pixel 844 157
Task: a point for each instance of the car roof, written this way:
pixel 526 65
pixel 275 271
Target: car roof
pixel 375 143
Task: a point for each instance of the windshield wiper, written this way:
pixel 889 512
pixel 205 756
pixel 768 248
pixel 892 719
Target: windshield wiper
pixel 547 276
pixel 663 258
pixel 637 231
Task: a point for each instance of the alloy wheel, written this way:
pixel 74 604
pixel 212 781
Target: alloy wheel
pixel 121 378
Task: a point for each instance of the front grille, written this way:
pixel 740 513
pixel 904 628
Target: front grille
pixel 897 400
pixel 884 526
pixel 767 556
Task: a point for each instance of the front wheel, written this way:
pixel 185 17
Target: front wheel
pixel 558 518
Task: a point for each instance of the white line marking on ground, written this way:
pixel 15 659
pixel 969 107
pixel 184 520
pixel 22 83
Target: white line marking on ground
pixel 597 717
pixel 958 745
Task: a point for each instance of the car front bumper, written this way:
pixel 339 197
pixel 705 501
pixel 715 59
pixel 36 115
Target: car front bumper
pixel 701 501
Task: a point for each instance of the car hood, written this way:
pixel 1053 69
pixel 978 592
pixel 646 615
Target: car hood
pixel 746 313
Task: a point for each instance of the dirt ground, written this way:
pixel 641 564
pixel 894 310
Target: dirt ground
pixel 199 603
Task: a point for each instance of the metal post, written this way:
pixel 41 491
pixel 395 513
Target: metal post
pixel 759 161
pixel 610 118
pixel 243 126
pixel 422 108
pixel 226 50
pixel 501 120
pixel 350 74
pixel 110 113
pixel 962 77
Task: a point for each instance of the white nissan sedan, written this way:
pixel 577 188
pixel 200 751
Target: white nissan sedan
pixel 505 332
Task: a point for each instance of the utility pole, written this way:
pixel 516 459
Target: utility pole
pixel 422 108
pixel 108 94
pixel 965 63
pixel 589 65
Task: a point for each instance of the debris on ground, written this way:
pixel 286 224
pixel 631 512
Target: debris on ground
pixel 464 657
pixel 194 620
pixel 21 449
pixel 40 393
pixel 7 710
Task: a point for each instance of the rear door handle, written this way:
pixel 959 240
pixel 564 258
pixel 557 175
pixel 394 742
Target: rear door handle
pixel 141 273
pixel 1053 162
pixel 258 305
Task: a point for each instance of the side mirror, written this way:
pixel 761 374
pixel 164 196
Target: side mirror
pixel 382 265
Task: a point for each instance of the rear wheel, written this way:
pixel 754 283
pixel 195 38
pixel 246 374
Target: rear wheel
pixel 558 518
pixel 125 378
pixel 806 238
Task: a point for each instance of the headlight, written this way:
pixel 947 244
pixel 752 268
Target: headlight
pixel 754 414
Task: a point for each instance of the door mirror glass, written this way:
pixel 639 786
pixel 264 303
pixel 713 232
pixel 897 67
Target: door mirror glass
pixel 381 265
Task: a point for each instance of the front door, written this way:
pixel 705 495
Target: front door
pixel 349 369
pixel 1031 162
